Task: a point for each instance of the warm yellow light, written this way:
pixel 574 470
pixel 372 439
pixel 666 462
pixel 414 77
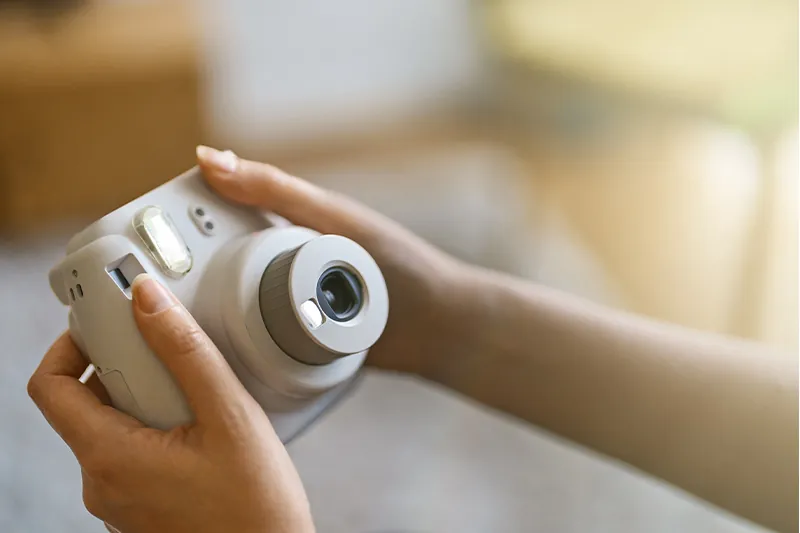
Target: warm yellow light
pixel 163 241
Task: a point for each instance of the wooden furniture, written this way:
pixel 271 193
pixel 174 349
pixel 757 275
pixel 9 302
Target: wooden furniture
pixel 98 105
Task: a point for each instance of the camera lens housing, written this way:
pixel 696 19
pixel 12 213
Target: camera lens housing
pixel 324 300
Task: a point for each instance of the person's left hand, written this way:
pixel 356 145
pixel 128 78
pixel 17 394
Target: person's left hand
pixel 226 471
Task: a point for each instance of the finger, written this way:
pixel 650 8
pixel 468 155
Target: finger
pixel 71 408
pixel 210 386
pixel 304 204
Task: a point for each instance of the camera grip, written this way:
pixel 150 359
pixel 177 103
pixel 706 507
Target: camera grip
pixel 112 381
pixel 103 326
pixel 138 382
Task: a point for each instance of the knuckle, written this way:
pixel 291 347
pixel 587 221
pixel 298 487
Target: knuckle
pixel 102 469
pixel 188 339
pixel 35 388
pixel 93 502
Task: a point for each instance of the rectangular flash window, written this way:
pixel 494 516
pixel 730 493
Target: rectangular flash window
pixel 163 241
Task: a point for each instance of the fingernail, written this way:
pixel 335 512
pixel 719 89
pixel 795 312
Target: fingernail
pixel 225 161
pixel 150 296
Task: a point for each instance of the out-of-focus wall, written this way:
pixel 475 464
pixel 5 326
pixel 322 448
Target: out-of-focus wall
pixel 776 307
pixel 735 58
pixel 286 72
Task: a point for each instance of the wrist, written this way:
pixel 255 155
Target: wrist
pixel 463 323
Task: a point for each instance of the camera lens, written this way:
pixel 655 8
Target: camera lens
pixel 339 294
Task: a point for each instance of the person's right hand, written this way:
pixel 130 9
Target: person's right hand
pixel 425 285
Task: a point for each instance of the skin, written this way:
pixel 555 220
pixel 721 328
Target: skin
pixel 713 416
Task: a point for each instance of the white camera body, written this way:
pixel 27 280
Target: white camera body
pixel 258 286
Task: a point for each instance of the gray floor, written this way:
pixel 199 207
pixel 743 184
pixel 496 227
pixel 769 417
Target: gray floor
pixel 396 456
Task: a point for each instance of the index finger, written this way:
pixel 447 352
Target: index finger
pixel 71 408
pixel 303 203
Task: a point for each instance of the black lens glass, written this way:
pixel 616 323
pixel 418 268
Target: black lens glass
pixel 339 294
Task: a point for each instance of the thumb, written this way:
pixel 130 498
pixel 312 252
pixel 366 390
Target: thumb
pixel 210 386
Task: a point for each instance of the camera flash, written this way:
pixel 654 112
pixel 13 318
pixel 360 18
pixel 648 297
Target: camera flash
pixel 162 239
pixel 311 314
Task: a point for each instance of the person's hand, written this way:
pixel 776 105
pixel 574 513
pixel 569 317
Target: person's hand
pixel 426 287
pixel 226 471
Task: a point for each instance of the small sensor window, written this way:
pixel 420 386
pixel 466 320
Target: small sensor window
pixel 123 271
pixel 120 279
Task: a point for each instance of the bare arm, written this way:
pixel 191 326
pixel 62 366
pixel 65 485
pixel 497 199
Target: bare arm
pixel 714 416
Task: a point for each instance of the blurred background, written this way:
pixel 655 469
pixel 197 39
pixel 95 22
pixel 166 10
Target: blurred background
pixel 641 154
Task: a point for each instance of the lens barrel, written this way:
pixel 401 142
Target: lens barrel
pixel 324 300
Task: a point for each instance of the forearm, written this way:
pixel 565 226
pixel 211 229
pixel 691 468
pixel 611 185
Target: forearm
pixel 713 416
